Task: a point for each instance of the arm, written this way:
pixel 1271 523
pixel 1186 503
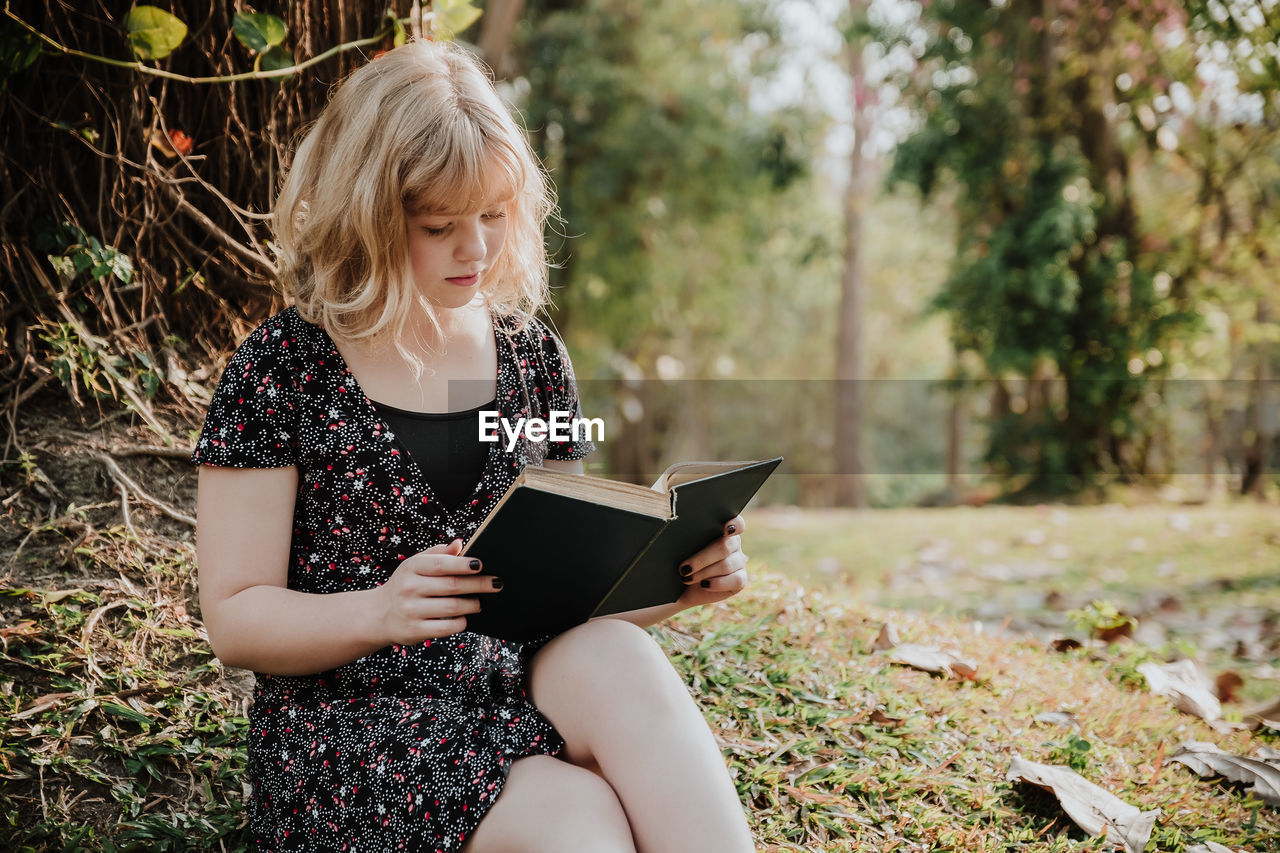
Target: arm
pixel 245 524
pixel 721 564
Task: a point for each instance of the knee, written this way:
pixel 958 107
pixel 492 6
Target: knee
pixel 607 656
pixel 551 806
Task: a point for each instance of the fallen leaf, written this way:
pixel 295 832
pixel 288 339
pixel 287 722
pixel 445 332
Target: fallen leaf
pixel 880 718
pixel 1065 719
pixel 44 703
pixel 887 638
pixel 1181 682
pixel 1066 644
pixel 1264 715
pixel 1115 632
pixel 1227 684
pixel 1262 774
pixel 931 659
pixel 1211 847
pixel 1095 810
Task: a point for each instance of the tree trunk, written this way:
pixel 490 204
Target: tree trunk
pixel 850 485
pixel 496 27
pixel 1262 426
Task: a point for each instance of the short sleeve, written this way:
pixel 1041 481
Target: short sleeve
pixel 561 389
pixel 253 418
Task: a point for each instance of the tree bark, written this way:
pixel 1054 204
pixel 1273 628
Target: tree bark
pixel 850 484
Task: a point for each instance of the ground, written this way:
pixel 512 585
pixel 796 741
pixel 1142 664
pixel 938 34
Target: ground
pixel 122 732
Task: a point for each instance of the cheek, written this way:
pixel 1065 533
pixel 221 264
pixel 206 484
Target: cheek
pixel 497 238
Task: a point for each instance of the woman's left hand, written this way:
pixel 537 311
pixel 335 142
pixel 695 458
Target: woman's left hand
pixel 718 570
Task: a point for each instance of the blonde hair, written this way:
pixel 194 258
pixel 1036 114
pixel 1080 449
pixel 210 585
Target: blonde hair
pixel 420 128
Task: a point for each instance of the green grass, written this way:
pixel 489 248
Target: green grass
pixel 119 731
pixel 1204 580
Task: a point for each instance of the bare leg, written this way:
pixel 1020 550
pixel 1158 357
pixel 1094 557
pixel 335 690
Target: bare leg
pixel 618 703
pixel 551 806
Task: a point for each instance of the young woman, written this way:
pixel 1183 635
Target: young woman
pixel 340 471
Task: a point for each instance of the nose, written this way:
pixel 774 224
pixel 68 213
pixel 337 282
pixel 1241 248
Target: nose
pixel 470 246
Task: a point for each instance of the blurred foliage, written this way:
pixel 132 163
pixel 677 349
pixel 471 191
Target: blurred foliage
pixel 1071 275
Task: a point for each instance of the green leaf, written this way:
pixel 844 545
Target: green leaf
pixel 153 33
pixel 454 16
pixel 400 36
pixel 276 58
pixel 18 49
pixel 257 31
pixel 127 713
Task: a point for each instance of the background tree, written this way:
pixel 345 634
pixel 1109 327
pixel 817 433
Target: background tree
pixel 1051 117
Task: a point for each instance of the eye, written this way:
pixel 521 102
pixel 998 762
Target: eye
pixel 434 232
pixel 496 214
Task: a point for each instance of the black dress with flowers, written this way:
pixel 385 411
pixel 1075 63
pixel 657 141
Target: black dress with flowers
pixel 406 748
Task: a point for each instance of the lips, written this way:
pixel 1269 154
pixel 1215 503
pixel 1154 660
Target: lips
pixel 464 280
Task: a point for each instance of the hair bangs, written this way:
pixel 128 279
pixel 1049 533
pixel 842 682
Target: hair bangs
pixel 471 171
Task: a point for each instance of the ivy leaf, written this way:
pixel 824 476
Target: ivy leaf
pixel 276 58
pixel 454 16
pixel 153 33
pixel 257 31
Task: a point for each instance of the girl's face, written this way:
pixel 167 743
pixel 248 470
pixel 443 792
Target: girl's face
pixel 450 252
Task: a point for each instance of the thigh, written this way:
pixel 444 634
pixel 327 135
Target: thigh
pixel 550 805
pixel 603 677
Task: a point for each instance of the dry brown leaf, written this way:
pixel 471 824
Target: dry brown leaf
pixel 1066 644
pixel 1262 774
pixel 880 718
pixel 887 638
pixel 1181 682
pixel 42 704
pixel 1110 634
pixel 1227 684
pixel 1095 810
pixel 931 659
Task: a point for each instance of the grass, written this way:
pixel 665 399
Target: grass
pixel 120 731
pixel 1204 581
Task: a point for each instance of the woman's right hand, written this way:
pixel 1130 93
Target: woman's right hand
pixel 427 595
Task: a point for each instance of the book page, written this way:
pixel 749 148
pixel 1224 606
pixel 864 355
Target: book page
pixel 687 472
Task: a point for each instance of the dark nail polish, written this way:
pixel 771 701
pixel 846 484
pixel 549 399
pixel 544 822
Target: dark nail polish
pixel 475 565
pixel 731 529
pixel 706 584
pixel 497 583
pixel 686 570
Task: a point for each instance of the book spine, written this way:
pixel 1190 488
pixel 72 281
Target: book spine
pixel 627 571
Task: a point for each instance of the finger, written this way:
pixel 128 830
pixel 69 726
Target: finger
pixel 732 563
pixel 733 582
pixel 441 607
pixel 734 525
pixel 443 586
pixel 444 564
pixel 454 547
pixel 443 627
pixel 713 553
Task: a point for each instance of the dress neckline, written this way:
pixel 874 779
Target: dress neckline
pixel 503 403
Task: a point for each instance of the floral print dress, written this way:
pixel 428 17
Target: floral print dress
pixel 408 747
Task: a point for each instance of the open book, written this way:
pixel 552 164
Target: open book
pixel 569 547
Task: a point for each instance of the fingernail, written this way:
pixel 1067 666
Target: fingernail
pixel 731 529
pixel 475 565
pixel 497 583
pixel 706 584
pixel 686 570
